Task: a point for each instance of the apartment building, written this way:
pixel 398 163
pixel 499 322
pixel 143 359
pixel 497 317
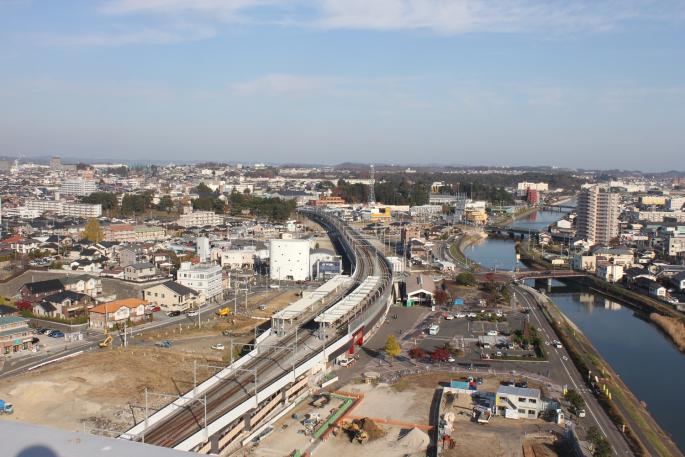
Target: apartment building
pixel 78 187
pixel 200 219
pixel 598 212
pixel 133 233
pixel 204 278
pixel 82 210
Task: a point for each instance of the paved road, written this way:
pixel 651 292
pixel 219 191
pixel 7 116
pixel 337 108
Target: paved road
pixel 562 369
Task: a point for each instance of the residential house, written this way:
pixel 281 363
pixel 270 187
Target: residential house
pixel 15 335
pixel 652 287
pixel 140 272
pixel 609 272
pixel 36 291
pixel 116 312
pixel 84 284
pixel 171 296
pixel 584 262
pixel 64 305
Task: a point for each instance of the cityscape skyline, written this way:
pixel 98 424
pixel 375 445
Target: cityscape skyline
pixel 588 85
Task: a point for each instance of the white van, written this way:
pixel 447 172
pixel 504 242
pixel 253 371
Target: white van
pixel 433 329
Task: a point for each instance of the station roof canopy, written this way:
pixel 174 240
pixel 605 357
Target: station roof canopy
pixel 344 306
pixel 310 298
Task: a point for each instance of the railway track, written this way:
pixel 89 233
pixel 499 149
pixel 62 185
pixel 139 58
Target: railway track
pixel 275 363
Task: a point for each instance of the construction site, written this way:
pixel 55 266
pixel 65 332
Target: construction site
pixel 102 391
pixel 383 420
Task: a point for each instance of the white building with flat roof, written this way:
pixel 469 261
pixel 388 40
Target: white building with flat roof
pixel 204 278
pixel 200 219
pixel 78 186
pixel 289 259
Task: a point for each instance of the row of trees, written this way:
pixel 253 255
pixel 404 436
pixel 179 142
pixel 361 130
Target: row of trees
pixel 207 200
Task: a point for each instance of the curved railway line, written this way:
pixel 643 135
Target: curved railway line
pixel 272 364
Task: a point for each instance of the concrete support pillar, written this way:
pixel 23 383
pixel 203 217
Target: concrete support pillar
pixel 284 396
pixel 214 441
pixel 247 418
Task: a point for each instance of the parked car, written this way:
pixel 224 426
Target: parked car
pixel 449 317
pixel 56 334
pixel 262 306
pixel 192 313
pixel 153 309
pixel 173 313
pixel 218 347
pixel 35 340
pixel 43 331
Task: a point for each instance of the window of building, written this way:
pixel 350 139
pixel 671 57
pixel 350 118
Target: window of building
pixel 532 400
pixel 532 412
pixel 522 400
pixel 522 411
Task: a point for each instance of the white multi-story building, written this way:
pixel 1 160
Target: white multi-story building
pixel 78 187
pixel 598 211
pixel 519 402
pixel 200 219
pixel 676 245
pixel 236 259
pixel 44 206
pixel 84 210
pixel 204 278
pixel 289 259
pixel 522 187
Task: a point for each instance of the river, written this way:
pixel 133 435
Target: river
pixel 646 360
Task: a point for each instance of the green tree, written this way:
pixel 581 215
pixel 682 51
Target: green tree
pixel 107 200
pixel 133 204
pixel 575 399
pixel 465 279
pixel 92 231
pixel 392 347
pixel 203 188
pixel 165 203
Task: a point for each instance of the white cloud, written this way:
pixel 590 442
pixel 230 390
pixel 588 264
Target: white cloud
pixel 440 16
pixel 127 37
pixel 282 84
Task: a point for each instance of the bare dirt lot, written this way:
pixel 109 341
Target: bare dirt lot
pixel 103 389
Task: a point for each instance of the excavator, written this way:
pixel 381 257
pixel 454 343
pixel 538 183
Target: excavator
pixel 107 341
pixel 356 432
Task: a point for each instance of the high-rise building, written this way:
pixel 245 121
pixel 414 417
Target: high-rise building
pixel 598 211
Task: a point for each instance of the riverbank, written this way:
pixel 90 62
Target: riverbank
pixel 672 327
pixel 457 249
pixel 644 434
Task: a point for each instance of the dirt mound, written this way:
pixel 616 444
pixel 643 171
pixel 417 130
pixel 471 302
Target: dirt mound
pixel 415 440
pixel 372 429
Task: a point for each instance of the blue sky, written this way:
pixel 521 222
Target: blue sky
pixel 579 83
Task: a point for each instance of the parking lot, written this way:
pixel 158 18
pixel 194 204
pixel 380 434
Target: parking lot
pixel 463 332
